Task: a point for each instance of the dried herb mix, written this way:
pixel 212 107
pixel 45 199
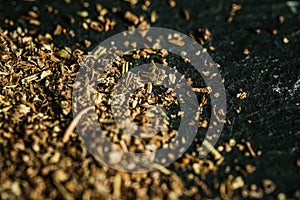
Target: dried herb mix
pixel 42 157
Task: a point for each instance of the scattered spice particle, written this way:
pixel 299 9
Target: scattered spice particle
pixel 232 142
pixel 212 48
pixel 177 42
pixel 117 186
pixel 33 14
pixel 58 30
pixel 203 124
pixel 132 2
pixel 172 3
pixel 144 24
pixel 206 90
pixel 204 35
pixel 87 43
pixel 281 19
pixel 241 95
pixel 153 16
pixel 281 196
pixel 74 123
pixel 234 9
pixel 248 144
pixel 147 3
pixel 298 163
pixel 61 178
pixel 274 31
pixel 83 14
pixel 238 111
pixel 237 183
pixel 259 153
pixel 129 16
pixel 34 22
pixel 246 51
pixel 216 154
pixel 85 25
pixel 269 186
pixel 250 168
pixel 186 14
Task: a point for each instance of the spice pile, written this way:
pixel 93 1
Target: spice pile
pixel 37 80
pixel 42 157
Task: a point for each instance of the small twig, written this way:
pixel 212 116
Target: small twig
pixel 162 169
pixel 202 90
pixel 74 123
pixel 63 191
pixel 253 154
pixel 217 156
pixel 117 186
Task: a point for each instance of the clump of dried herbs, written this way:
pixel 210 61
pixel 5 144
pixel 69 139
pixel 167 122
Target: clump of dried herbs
pixel 38 160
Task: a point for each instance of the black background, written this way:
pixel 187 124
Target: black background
pixel 268 74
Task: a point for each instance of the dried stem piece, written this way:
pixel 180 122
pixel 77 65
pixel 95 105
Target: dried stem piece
pixel 217 156
pixel 74 123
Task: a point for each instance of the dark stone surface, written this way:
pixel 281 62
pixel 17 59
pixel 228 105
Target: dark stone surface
pixel 268 74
